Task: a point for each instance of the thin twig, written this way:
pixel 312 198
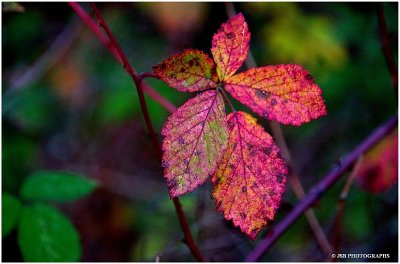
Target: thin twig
pixel 341 205
pixel 147 75
pixel 99 34
pixel 53 54
pixel 384 36
pixel 292 176
pixel 320 189
pixel 139 87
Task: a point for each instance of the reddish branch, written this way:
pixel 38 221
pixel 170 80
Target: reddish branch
pixel 96 30
pixel 385 46
pixel 345 164
pixel 116 50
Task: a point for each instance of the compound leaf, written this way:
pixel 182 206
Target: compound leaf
pixel 251 176
pixel 46 235
pixel 285 93
pixel 57 186
pixel 189 71
pixel 230 46
pixel 195 137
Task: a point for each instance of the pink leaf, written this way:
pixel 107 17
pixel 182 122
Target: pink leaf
pixel 251 177
pixel 285 93
pixel 189 71
pixel 195 138
pixel 230 46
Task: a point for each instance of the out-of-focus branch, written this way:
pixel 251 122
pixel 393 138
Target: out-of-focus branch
pixel 53 54
pixel 341 205
pixel 116 50
pixel 316 192
pixel 384 36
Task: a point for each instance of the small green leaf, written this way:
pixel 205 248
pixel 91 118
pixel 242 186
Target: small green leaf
pixel 10 208
pixel 46 235
pixel 56 186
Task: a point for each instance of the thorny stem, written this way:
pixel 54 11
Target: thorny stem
pixel 119 54
pixel 385 46
pixel 341 205
pixel 292 176
pixel 316 192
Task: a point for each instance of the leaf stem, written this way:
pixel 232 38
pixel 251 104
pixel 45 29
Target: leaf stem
pixel 116 50
pixel 384 37
pixel 318 190
pixel 148 75
pixel 226 98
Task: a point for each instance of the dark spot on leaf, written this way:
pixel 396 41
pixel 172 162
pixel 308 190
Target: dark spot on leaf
pixel 231 166
pixel 271 192
pixel 231 124
pixel 218 180
pixel 309 77
pixel 243 215
pixel 280 177
pixel 262 94
pixel 165 164
pixel 186 161
pixel 273 102
pixel 163 66
pixel 172 75
pixel 181 141
pixel 171 183
pixel 252 153
pixel 197 153
pixel 254 185
pixel 187 171
pixel 229 35
pixel 191 63
pixel 182 70
pixel 244 189
pixel 267 151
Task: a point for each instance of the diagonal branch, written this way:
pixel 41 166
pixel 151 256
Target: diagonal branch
pixel 116 50
pixel 316 192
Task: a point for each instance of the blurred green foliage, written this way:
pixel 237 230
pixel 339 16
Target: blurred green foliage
pixel 57 186
pixel 10 208
pixel 46 235
pixel 82 113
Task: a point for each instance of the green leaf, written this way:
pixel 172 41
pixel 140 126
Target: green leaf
pixel 56 186
pixel 46 235
pixel 10 208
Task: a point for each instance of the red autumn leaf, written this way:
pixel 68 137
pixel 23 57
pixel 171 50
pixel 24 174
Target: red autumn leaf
pixel 195 138
pixel 188 71
pixel 379 168
pixel 286 93
pixel 249 174
pixel 251 177
pixel 230 46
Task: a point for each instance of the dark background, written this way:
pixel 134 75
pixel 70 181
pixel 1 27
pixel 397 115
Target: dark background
pixel 78 110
